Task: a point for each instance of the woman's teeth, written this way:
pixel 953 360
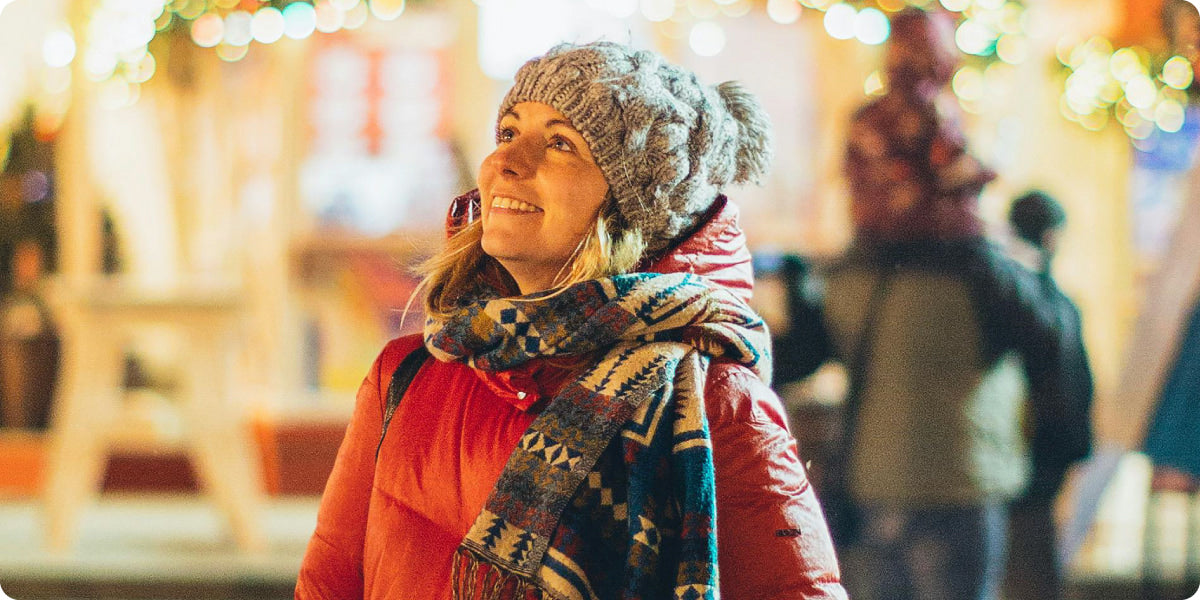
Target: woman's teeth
pixel 511 204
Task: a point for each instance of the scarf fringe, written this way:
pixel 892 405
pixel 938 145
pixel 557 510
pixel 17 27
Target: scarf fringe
pixel 474 579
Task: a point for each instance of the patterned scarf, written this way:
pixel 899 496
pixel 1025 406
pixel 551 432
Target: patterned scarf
pixel 610 492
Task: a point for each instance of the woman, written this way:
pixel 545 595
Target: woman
pixel 596 424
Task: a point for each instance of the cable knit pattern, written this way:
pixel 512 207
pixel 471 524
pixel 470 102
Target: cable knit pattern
pixel 666 143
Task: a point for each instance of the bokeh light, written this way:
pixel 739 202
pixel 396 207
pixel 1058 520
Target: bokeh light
pixel 1140 91
pixel 839 21
pixel 300 19
pixel 356 16
pixel 1169 116
pixel 657 10
pixel 267 26
pixel 1177 73
pixel 973 37
pixel 1125 64
pixel 386 10
pixel 873 86
pixel 892 5
pixel 230 53
pixel 707 38
pixel 956 5
pixel 58 49
pixel 871 26
pixel 329 18
pixel 142 70
pixel 1012 49
pixel 346 5
pixel 238 27
pixel 208 30
pixel 968 84
pixel 784 12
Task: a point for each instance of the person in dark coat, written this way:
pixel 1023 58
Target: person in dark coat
pixel 1060 405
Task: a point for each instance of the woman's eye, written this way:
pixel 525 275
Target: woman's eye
pixel 561 143
pixel 504 134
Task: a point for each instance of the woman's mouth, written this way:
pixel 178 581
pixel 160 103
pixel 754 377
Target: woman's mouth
pixel 512 204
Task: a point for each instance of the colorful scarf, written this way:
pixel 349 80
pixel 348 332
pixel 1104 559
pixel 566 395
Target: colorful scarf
pixel 610 492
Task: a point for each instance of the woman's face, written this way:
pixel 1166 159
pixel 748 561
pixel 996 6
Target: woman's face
pixel 541 192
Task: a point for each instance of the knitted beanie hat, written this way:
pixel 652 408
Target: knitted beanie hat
pixel 666 144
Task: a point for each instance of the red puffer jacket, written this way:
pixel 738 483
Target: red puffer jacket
pixel 387 528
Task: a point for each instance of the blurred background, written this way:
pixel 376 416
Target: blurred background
pixel 208 209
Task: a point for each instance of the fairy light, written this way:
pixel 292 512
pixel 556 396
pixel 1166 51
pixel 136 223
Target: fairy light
pixel 1106 84
pixel 784 12
pixel 707 38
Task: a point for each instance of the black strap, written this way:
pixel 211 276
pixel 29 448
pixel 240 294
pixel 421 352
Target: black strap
pixel 401 378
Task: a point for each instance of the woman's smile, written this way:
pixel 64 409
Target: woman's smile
pixel 512 205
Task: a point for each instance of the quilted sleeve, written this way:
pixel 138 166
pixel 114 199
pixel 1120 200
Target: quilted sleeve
pixel 332 565
pixel 772 540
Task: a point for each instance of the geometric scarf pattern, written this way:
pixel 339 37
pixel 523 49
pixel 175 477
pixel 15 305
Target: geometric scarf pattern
pixel 610 491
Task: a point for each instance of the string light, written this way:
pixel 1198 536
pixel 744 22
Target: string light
pixel 1104 84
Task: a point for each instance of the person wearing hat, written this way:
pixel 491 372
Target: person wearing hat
pixel 595 420
pixel 933 323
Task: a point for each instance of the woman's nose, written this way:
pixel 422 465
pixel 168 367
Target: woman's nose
pixel 516 158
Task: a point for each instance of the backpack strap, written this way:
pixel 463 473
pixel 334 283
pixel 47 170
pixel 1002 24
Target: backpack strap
pixel 401 378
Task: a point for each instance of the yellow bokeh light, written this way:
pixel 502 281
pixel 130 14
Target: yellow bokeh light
pixel 1125 64
pixel 1169 116
pixel 1065 109
pixel 141 71
pixel 1012 18
pixel 1065 48
pixel 989 4
pixel 873 86
pixel 784 12
pixel 968 84
pixel 892 5
pixel 1095 120
pixel 229 53
pixel 1140 91
pixel 1012 49
pixel 1177 73
pixel 973 37
pixel 384 10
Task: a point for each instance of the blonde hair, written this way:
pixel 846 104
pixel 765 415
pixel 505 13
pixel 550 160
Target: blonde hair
pixel 606 249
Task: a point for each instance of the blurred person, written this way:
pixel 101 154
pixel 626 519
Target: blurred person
pixel 1058 415
pixel 596 420
pixel 932 322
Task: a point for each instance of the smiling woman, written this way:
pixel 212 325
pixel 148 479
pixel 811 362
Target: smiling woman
pixel 541 192
pixel 599 400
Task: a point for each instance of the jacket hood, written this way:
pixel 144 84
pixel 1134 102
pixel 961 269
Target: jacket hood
pixel 715 250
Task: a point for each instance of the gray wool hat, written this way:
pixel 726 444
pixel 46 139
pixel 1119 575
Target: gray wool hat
pixel 667 144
